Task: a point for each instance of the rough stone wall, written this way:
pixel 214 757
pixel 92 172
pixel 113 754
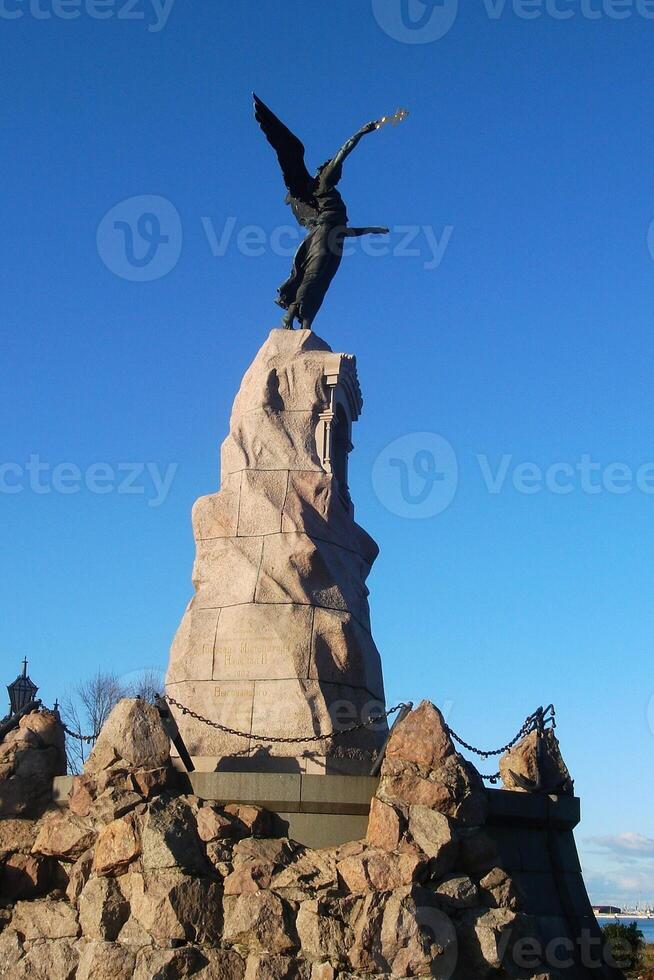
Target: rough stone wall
pixel 134 880
pixel 277 639
pixel 31 755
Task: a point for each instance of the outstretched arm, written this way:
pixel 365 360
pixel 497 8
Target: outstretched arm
pixel 347 148
pixel 333 168
pixel 358 232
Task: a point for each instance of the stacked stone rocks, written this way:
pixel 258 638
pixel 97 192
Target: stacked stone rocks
pixel 135 880
pixel 31 755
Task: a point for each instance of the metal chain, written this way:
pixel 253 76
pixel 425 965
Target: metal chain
pixel 488 755
pixel 82 738
pixel 536 722
pixel 276 740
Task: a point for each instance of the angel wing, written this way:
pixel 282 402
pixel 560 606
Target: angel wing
pixel 290 153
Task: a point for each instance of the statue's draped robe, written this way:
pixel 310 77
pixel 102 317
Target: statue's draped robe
pixel 319 256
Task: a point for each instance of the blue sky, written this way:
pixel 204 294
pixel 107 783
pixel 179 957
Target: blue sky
pixel 517 329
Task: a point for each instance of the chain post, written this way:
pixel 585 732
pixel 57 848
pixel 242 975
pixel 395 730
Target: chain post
pixel 404 711
pixel 172 731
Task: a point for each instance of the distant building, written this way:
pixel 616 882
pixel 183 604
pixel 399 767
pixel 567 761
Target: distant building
pixel 21 692
pixel 607 910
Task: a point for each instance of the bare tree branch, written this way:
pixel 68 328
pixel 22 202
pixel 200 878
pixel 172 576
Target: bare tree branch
pixel 75 748
pixel 85 710
pixel 148 683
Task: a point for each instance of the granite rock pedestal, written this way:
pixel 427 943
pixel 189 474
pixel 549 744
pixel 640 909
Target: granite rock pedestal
pixel 276 640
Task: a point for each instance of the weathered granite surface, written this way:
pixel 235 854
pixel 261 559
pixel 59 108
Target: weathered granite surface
pixel 537 763
pixel 136 881
pixel 277 638
pixel 30 756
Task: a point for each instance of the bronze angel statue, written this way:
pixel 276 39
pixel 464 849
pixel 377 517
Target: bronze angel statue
pixel 318 206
